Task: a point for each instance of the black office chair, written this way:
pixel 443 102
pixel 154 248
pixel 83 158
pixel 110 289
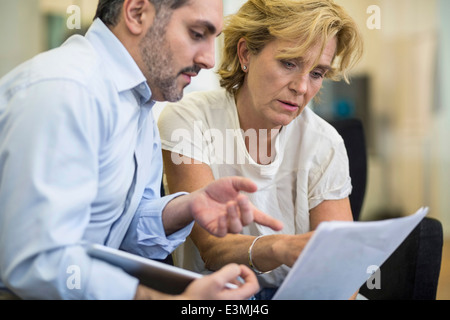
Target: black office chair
pixel 412 271
pixel 352 131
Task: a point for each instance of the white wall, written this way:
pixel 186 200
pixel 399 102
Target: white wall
pixel 440 150
pixel 23 28
pixel 21 32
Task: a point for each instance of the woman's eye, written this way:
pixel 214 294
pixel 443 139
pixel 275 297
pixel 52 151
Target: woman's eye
pixel 317 75
pixel 288 65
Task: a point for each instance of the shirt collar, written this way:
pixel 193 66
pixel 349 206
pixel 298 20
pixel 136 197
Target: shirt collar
pixel 124 71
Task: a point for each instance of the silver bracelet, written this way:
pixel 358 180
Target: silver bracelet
pixel 250 262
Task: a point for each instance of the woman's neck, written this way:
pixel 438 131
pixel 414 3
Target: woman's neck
pixel 259 136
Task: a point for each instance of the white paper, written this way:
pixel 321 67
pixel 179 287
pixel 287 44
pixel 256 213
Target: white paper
pixel 336 261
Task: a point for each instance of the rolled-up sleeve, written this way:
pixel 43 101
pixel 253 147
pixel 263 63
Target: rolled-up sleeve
pixel 146 236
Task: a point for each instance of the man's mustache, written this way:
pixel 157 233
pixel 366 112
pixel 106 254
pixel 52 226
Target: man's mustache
pixel 194 69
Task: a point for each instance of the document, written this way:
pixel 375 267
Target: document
pixel 341 256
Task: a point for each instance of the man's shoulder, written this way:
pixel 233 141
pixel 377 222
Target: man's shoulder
pixel 74 61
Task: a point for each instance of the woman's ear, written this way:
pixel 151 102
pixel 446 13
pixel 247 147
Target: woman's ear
pixel 243 54
pixel 138 15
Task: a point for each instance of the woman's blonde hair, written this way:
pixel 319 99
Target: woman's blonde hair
pixel 307 22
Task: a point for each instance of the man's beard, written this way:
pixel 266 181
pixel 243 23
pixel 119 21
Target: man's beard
pixel 158 58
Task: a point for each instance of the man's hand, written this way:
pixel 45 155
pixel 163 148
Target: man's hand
pixel 221 208
pixel 211 287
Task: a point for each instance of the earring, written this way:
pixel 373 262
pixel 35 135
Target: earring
pixel 245 68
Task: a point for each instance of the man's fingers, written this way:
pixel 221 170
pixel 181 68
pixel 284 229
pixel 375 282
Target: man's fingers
pixel 227 273
pixel 234 221
pixel 244 184
pixel 245 209
pixel 248 287
pixel 250 213
pixel 222 228
pixel 266 220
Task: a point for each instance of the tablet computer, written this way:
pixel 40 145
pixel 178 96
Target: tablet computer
pixel 154 274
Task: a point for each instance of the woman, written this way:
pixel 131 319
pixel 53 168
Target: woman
pixel 276 55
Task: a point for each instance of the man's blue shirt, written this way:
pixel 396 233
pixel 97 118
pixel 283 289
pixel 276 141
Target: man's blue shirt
pixel 80 160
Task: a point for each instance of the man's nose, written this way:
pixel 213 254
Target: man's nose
pixel 206 56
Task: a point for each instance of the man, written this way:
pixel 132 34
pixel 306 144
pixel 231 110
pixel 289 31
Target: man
pixel 80 156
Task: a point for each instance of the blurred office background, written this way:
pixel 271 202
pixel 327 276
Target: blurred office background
pixel 400 90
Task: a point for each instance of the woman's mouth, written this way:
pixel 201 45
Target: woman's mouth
pixel 289 106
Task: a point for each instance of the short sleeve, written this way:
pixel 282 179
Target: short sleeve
pixel 330 180
pixel 182 129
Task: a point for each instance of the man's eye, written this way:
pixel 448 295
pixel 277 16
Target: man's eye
pixel 196 35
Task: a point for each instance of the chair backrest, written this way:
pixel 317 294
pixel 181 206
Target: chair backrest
pixel 352 131
pixel 412 271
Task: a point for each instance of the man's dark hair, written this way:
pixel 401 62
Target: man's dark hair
pixel 109 10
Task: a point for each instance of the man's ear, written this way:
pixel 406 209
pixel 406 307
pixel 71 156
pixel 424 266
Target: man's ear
pixel 138 15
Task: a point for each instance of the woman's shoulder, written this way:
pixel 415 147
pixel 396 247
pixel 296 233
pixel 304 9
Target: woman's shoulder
pixel 205 100
pixel 311 125
pixel 210 108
